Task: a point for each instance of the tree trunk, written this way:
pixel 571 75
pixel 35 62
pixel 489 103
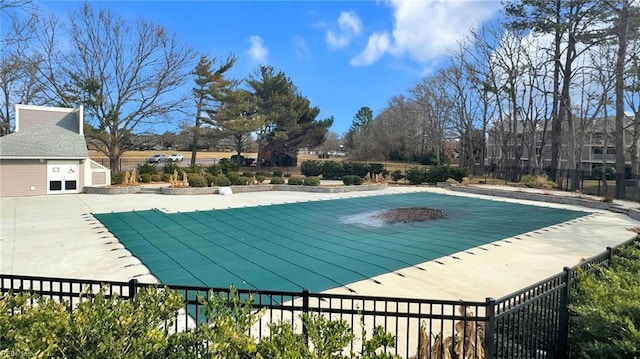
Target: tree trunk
pixel 556 128
pixel 623 23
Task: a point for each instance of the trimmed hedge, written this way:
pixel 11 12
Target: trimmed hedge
pixel 311 181
pixel 351 180
pixel 295 181
pixel 145 178
pixel 277 180
pixel 196 180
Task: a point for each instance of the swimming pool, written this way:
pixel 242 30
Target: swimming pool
pixel 315 245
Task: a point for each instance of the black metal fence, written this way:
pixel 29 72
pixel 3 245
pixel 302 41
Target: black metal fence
pixel 530 323
pixel 440 321
pixel 589 182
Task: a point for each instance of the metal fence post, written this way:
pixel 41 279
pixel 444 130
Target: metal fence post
pixel 133 287
pixel 490 329
pixel 610 255
pixel 563 330
pixel 305 310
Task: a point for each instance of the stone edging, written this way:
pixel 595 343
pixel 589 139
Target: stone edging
pixel 534 197
pixel 112 190
pixel 239 189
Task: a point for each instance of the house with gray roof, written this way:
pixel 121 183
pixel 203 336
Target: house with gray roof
pixel 47 154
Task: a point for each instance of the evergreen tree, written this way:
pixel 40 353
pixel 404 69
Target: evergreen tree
pixel 289 119
pixel 211 87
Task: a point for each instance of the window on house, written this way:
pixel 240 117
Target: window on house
pixel 597 150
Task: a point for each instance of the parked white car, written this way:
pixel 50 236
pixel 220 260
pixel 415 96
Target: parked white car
pixel 176 157
pixel 157 159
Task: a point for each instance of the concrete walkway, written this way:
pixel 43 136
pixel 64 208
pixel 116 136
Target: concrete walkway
pixel 57 236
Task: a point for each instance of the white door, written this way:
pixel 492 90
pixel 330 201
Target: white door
pixel 63 177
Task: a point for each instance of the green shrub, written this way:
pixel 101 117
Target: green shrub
pixel 247 174
pixel 311 168
pixel 260 178
pixel 156 177
pixel 396 176
pixel 277 174
pixel 211 179
pixel 196 168
pixel 605 309
pixel 145 178
pixel 146 168
pixel 112 327
pixel 104 327
pixel 166 177
pixel 355 168
pixel 332 170
pixel 311 181
pixel 117 177
pixel 528 181
pixel 457 173
pixel 351 180
pixel 437 174
pixel 277 180
pixel 416 175
pixel 262 173
pixel 197 180
pixel 223 181
pixel 295 181
pixel 170 167
pixel 240 180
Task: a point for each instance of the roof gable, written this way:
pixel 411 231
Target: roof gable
pixel 46 135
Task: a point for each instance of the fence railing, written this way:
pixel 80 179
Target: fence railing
pixel 530 323
pixel 588 182
pixel 439 321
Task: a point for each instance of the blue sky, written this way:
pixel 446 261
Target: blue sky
pixel 342 55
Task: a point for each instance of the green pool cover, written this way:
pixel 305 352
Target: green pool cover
pixel 316 245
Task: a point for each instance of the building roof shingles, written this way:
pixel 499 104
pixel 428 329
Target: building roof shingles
pixel 43 141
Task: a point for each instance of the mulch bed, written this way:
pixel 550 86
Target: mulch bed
pixel 411 214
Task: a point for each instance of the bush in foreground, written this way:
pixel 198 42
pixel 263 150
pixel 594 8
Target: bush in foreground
pixel 605 309
pixel 113 327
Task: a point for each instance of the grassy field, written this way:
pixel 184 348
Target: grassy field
pixel 141 157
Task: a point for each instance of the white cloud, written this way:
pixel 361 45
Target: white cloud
pixel 377 45
pixel 349 25
pixel 425 30
pixel 301 49
pixel 349 21
pixel 257 51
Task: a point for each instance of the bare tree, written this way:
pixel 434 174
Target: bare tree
pixel 126 75
pixel 19 81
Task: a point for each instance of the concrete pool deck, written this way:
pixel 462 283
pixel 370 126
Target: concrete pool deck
pixel 57 236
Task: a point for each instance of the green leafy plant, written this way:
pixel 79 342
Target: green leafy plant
pixel 605 309
pixel 277 180
pixel 146 168
pixel 332 170
pixel 295 181
pixel 396 176
pixel 197 180
pixel 156 177
pixel 260 178
pixel 311 168
pixel 277 174
pixel 117 177
pixel 170 167
pixel 310 181
pixel 195 168
pixel 416 175
pixel 166 177
pixel 145 177
pixel 211 179
pixel 240 180
pixel 223 181
pixel 351 180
